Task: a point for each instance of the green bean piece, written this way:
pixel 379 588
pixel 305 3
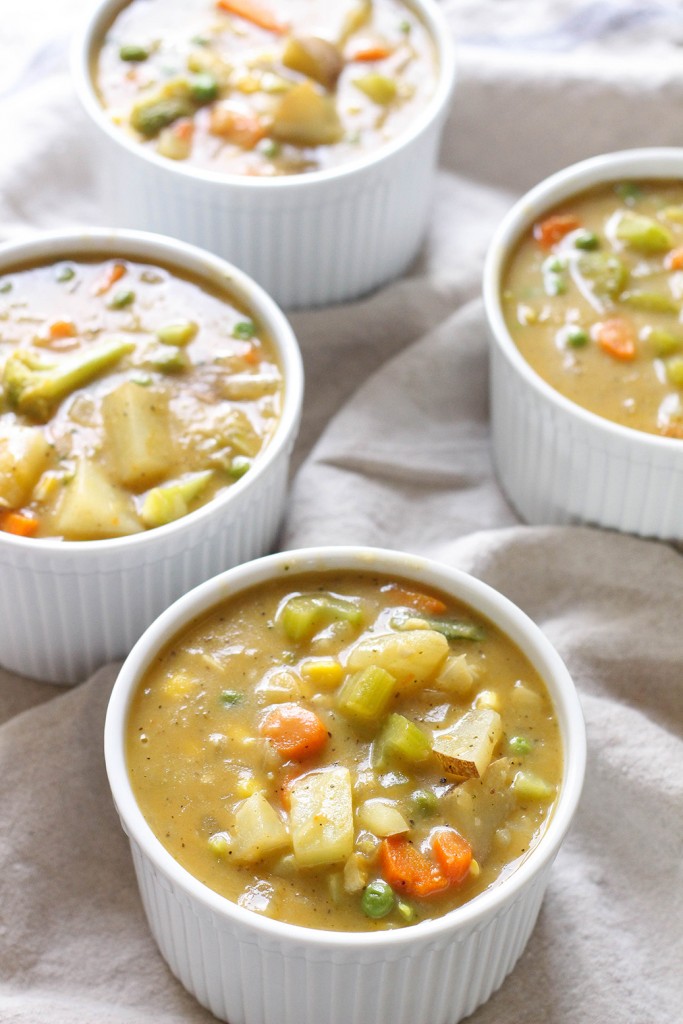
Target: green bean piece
pixel 453 629
pixel 133 52
pixel 378 899
pixel 150 118
pixel 204 87
pixel 229 698
pixel 244 330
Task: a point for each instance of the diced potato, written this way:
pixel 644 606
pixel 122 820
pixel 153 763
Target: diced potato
pixel 314 57
pixel 279 686
pixel 137 431
pixel 24 456
pixel 458 675
pixel 91 507
pixel 355 873
pixel 381 817
pixel 477 808
pixel 379 88
pixel 258 830
pixel 306 117
pixel 466 748
pixel 321 817
pixel 412 657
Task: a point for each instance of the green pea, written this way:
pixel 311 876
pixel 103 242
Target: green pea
pixel 519 745
pixel 244 330
pixel 204 87
pixel 269 148
pixel 425 802
pixel 133 52
pixel 122 299
pixel 576 337
pixel 378 899
pixel 586 240
pixel 228 698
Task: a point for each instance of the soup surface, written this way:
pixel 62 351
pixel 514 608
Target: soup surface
pixel 243 87
pixel 129 396
pixel 593 297
pixel 344 750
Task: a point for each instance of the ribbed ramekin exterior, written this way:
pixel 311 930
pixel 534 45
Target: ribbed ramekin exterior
pixel 309 240
pixel 67 607
pixel 245 979
pixel 558 463
pixel 249 969
pixel 63 613
pixel 557 468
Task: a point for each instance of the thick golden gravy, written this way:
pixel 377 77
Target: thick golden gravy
pixel 343 750
pixel 592 297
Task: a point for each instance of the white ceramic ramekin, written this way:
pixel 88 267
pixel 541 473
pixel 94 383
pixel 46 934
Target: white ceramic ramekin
pixel 557 462
pixel 67 607
pixel 309 239
pixel 249 969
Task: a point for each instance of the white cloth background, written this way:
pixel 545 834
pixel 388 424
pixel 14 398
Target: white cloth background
pixel 394 450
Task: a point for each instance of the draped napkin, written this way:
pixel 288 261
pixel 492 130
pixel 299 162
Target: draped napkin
pixel 394 450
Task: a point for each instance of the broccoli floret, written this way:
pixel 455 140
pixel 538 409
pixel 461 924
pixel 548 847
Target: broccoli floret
pixel 34 388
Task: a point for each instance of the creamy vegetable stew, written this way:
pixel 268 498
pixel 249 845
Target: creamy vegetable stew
pixel 344 750
pixel 259 88
pixel 593 298
pixel 129 396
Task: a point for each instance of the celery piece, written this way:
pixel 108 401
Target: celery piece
pixel 303 614
pixel 663 343
pixel 638 231
pixel 400 738
pixel 604 272
pixel 177 332
pixel 168 359
pixel 650 302
pixel 527 786
pixel 379 88
pixel 365 695
pixel 35 389
pixel 674 371
pixel 170 501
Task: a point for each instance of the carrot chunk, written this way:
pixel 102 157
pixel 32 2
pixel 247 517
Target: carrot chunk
pixel 113 273
pixel 616 337
pixel 62 329
pixel 674 259
pixel 552 230
pixel 18 523
pixel 296 732
pixel 415 599
pixel 254 12
pixel 453 854
pixel 370 53
pixel 407 870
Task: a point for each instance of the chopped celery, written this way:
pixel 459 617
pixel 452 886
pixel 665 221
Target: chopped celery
pixel 650 302
pixel 244 330
pixel 400 738
pixel 639 231
pixel 531 787
pixel 674 371
pixel 177 332
pixel 170 501
pixel 663 343
pixel 604 272
pixel 365 695
pixel 122 299
pixel 35 388
pixel 304 614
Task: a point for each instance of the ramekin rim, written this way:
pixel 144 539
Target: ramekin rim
pixel 507 615
pixel 84 41
pixel 249 292
pixel 548 192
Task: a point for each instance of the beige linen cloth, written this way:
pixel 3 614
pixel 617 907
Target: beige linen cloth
pixel 394 450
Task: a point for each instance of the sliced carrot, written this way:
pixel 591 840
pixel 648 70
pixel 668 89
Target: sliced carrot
pixel 245 130
pixel 254 12
pixel 616 337
pixel 453 854
pixel 674 259
pixel 416 599
pixel 296 732
pixel 284 790
pixel 370 53
pixel 407 870
pixel 113 273
pixel 552 230
pixel 18 523
pixel 253 355
pixel 62 329
pixel 183 129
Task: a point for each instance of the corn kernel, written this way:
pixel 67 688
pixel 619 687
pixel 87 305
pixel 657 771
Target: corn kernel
pixel 179 685
pixel 325 672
